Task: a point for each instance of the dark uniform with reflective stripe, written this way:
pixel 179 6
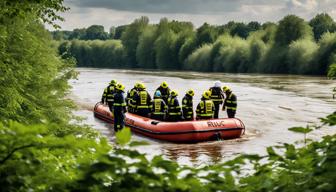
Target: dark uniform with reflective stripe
pixel 108 96
pixel 165 92
pixel 130 100
pixel 230 104
pixel 159 109
pixel 103 99
pixel 187 108
pixel 174 109
pixel 143 103
pixel 119 110
pixel 205 109
pixel 217 96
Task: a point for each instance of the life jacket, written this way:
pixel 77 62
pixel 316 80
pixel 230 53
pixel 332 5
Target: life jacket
pixel 110 93
pixel 119 103
pixel 206 108
pixel 173 106
pixel 159 107
pixel 142 103
pixel 130 100
pixel 187 107
pixel 216 95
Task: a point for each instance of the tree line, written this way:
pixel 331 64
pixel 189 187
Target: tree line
pixel 291 46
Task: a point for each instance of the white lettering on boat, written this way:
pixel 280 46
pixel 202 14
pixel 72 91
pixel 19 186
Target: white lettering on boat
pixel 216 123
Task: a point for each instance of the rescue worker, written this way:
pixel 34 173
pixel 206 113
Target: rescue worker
pixel 130 102
pixel 230 102
pixel 187 105
pixel 143 101
pixel 109 91
pixel 174 108
pixel 217 96
pixel 205 109
pixel 164 90
pixel 159 107
pixel 119 108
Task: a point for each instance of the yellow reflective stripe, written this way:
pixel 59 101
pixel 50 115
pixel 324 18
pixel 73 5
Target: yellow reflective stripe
pixel 205 115
pixel 174 113
pixel 208 106
pixel 143 107
pixel 131 105
pixel 188 107
pixel 177 107
pixel 158 113
pixel 217 99
pixel 119 104
pixel 232 108
pixel 143 97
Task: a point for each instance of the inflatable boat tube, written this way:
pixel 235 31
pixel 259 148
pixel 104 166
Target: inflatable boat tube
pixel 178 132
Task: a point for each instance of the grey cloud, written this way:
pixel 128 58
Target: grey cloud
pixel 173 6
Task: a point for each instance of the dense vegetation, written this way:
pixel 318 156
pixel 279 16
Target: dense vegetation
pixel 291 46
pixel 40 150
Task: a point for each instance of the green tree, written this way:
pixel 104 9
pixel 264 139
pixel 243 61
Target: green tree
pixel 199 60
pixel 292 28
pixel 206 34
pixel 326 54
pixel 165 53
pixel 145 53
pixel 78 34
pixel 187 48
pixel 231 54
pixel 112 33
pixel 241 30
pixel 301 55
pixel 321 24
pixel 119 31
pixel 130 39
pixel 95 32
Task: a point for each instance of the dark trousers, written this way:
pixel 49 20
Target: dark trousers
pixel 143 112
pixel 217 105
pixel 119 120
pixel 110 105
pixel 231 113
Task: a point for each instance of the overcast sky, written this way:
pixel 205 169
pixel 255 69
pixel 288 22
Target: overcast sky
pixel 84 13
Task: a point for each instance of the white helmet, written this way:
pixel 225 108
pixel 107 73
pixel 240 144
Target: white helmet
pixel 218 84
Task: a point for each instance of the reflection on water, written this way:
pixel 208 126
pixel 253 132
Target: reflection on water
pixel 267 104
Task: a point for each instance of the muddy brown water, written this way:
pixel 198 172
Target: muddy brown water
pixel 267 104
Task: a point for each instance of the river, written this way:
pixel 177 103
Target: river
pixel 267 104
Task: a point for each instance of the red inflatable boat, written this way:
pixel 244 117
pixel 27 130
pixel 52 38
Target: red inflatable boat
pixel 179 132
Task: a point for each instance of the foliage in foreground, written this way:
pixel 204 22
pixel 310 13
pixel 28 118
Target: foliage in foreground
pixel 284 168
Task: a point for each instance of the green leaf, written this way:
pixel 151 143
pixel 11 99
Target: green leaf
pixel 138 143
pixel 271 152
pixel 301 129
pixel 123 136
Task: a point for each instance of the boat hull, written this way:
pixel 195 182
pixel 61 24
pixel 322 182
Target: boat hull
pixel 178 132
